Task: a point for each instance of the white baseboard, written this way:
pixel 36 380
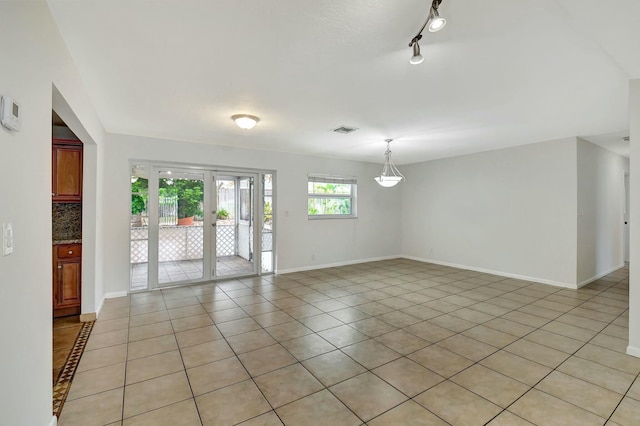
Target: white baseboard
pixel 633 351
pixel 493 272
pixel 597 277
pixel 54 421
pixel 112 295
pixel 334 265
pixel 115 294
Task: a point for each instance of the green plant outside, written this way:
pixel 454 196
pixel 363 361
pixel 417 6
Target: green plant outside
pixel 223 214
pixel 268 212
pixel 329 206
pixel 139 196
pixel 190 194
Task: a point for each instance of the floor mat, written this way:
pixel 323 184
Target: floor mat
pixel 62 385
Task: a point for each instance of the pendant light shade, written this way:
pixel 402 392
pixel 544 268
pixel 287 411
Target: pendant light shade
pixel 387 181
pixel 390 175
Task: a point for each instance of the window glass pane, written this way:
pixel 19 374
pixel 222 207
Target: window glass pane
pixel 181 230
pixel 267 224
pixel 331 196
pixel 329 188
pixel 139 232
pixel 329 206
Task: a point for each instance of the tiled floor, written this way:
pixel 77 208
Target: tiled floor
pixel 233 265
pixel 387 343
pixel 184 270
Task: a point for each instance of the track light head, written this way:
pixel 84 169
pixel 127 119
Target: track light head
pixel 417 58
pixel 437 23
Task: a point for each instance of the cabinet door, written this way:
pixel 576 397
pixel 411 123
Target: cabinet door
pixel 67 173
pixel 68 283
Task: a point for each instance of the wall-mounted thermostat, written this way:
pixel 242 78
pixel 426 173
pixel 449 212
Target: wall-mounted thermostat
pixel 10 114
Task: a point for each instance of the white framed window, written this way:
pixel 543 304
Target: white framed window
pixel 331 197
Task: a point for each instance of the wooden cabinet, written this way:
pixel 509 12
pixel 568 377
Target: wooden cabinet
pixel 67 261
pixel 67 171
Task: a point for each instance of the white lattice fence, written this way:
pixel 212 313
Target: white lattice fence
pixel 267 240
pixel 139 245
pixel 181 243
pixel 225 240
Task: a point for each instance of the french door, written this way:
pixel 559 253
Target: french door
pixel 234 238
pixel 193 225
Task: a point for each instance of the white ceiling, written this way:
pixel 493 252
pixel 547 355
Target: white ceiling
pixel 501 73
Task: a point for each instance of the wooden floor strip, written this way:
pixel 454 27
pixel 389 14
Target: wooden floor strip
pixel 62 385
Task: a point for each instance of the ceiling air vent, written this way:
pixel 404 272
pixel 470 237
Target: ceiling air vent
pixel 344 129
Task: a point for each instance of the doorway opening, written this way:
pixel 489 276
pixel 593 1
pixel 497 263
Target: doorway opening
pixel 234 217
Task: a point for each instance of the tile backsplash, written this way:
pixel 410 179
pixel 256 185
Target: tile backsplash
pixel 67 221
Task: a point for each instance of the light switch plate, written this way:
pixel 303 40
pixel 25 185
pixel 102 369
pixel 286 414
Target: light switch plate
pixel 7 239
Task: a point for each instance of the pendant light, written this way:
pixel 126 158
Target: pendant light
pixel 390 175
pixel 435 23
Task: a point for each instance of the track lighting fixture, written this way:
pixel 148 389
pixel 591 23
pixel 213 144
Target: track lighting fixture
pixel 390 175
pixel 435 23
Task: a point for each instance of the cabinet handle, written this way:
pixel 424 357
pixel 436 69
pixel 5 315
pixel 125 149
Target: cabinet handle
pixel 59 266
pixel 70 251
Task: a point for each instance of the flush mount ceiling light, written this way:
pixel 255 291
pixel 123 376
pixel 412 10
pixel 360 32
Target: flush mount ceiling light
pixel 390 175
pixel 245 121
pixel 435 22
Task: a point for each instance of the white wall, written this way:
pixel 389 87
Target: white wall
pixel 634 220
pixel 33 58
pixel 510 211
pixel 301 243
pixel 601 204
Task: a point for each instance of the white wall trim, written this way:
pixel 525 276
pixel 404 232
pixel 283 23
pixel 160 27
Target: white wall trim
pixel 99 308
pixel 54 421
pixel 491 271
pixel 333 265
pixel 597 277
pixel 633 351
pixel 114 294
